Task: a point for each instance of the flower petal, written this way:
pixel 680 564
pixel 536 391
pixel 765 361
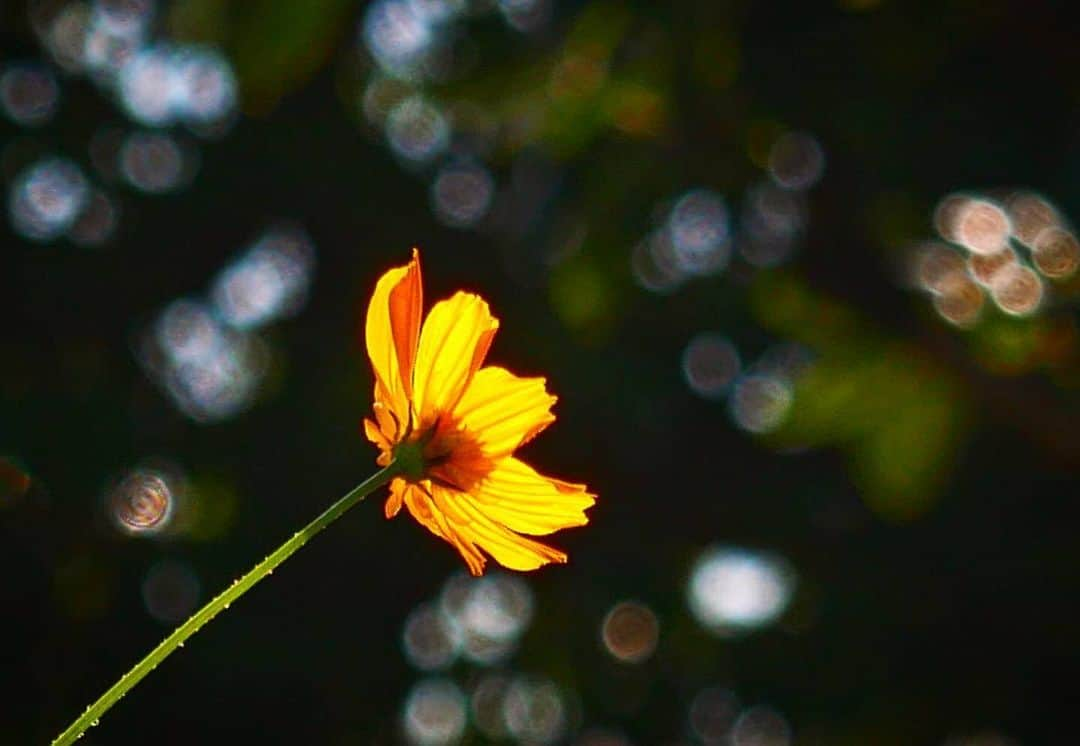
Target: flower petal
pixel 393 500
pixel 514 499
pixel 406 307
pixel 473 527
pixel 387 422
pixel 422 507
pixel 453 343
pixel 503 411
pixel 523 500
pixel 389 315
pixel 374 434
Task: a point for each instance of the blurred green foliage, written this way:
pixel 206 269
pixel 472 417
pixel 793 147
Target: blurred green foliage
pixel 897 414
pixel 276 45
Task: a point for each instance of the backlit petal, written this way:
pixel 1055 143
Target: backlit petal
pixel 474 528
pixel 381 330
pixel 375 435
pixel 502 411
pixel 523 500
pixel 406 308
pixel 393 501
pixel 388 423
pixel 421 506
pixel 453 343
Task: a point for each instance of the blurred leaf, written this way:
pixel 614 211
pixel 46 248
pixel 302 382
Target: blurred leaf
pixel 199 20
pixel 584 298
pixel 582 91
pixel 897 414
pixel 901 466
pixel 279 44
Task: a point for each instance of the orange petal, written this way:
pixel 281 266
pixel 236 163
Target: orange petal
pixel 422 508
pixel 375 435
pixel 393 501
pixel 381 332
pixel 453 343
pixel 502 411
pixel 406 307
pixel 388 423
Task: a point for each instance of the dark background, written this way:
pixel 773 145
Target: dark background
pixel 933 605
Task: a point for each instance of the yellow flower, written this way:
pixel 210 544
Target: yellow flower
pixel 452 427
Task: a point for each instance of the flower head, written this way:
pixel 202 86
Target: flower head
pixel 452 425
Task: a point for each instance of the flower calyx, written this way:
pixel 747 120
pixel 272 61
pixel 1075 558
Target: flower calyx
pixel 409 459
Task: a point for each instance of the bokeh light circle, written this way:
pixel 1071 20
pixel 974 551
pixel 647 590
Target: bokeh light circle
pixel 734 589
pixel 462 193
pixel 418 131
pixel 29 94
pixel 1056 253
pixel 534 711
pixel 1017 290
pixel 47 198
pixel 1030 215
pixel 960 302
pixel 152 162
pixel 981 227
pixel 759 402
pixel 434 713
pixel 430 640
pixel 796 161
pixel 983 267
pixel 630 632
pixel 142 502
pixel 710 363
pixel 761 726
pixel 936 265
pixel 712 713
pixel 397 36
pixel 700 232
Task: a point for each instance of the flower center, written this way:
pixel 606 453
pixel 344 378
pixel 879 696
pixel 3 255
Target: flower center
pixel 443 452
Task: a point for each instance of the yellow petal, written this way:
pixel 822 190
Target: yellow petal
pixel 474 528
pixel 453 343
pixel 502 411
pixel 514 500
pixel 381 331
pixel 422 508
pixel 523 500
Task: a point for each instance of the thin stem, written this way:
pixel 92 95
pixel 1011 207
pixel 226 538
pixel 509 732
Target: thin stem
pixel 238 588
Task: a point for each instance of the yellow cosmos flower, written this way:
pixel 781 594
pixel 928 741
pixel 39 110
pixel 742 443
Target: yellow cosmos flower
pixel 452 426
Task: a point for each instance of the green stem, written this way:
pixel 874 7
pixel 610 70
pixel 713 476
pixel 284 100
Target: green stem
pixel 239 587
